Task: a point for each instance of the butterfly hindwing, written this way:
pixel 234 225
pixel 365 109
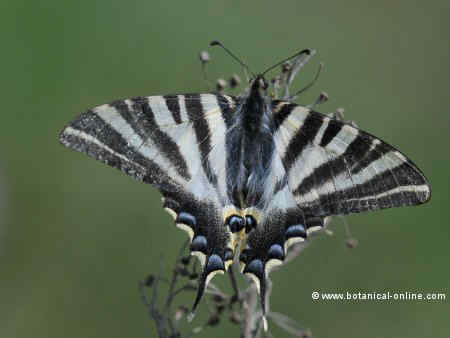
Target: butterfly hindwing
pixel 268 244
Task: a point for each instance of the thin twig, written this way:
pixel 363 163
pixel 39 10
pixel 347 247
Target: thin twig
pixel 159 319
pixel 171 292
pixel 174 277
pixel 233 282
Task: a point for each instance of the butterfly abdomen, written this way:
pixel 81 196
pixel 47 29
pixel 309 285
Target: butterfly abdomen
pixel 258 151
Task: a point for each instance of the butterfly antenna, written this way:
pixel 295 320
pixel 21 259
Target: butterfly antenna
pixel 245 66
pixel 304 51
pixel 309 85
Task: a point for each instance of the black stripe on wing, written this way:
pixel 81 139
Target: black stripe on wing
pixel 372 155
pixel 141 119
pixel 174 107
pixel 281 111
pixel 388 189
pixel 91 135
pixel 195 112
pixel 335 166
pixel 333 128
pixel 227 106
pixel 304 136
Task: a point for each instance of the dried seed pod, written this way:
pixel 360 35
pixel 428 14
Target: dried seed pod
pixel 235 317
pixel 286 67
pixel 220 308
pixel 351 243
pixel 235 81
pixel 275 80
pixel 181 269
pixel 340 114
pixel 221 84
pixel 213 320
pixel 322 98
pixel 180 312
pixel 307 334
pixel 204 56
pixel 185 260
pixel 218 298
pixel 149 280
pixel 197 329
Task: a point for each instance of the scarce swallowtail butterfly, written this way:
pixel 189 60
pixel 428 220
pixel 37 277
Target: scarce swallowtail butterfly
pixel 247 175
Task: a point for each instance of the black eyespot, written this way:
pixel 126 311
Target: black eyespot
pixel 243 257
pixel 235 223
pixel 228 255
pixel 255 266
pixel 276 251
pixel 186 218
pixel 199 243
pixel 250 223
pixel 296 230
pixel 214 263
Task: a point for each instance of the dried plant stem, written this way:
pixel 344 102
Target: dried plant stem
pixel 242 305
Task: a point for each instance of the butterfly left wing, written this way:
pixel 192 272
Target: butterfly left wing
pixel 175 143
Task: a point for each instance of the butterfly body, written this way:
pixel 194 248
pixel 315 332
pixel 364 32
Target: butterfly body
pixel 250 148
pixel 249 172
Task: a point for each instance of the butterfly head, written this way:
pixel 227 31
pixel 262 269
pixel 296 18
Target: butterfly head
pixel 258 86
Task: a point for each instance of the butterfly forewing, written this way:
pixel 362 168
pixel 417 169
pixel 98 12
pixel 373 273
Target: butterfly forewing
pixel 336 168
pixel 158 140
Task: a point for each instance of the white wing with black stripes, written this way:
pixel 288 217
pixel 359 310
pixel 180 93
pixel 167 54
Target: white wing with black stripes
pixel 164 141
pixel 335 168
pixel 322 167
pixel 177 144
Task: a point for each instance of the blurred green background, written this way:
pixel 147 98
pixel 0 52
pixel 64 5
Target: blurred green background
pixel 76 235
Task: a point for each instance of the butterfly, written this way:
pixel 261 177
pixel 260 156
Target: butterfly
pixel 248 175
